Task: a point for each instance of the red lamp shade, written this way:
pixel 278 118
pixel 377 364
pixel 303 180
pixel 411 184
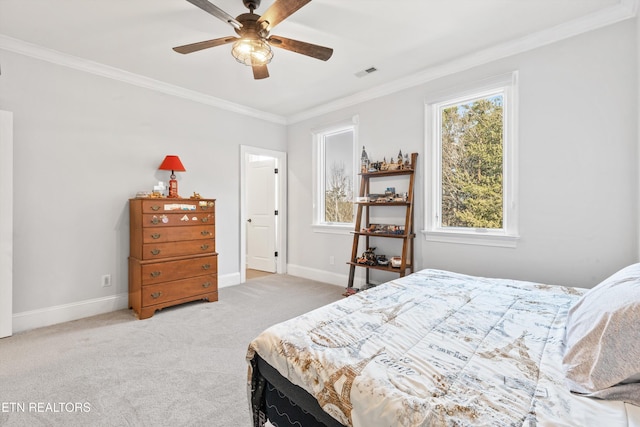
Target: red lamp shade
pixel 172 163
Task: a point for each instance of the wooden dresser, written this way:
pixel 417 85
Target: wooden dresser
pixel 172 255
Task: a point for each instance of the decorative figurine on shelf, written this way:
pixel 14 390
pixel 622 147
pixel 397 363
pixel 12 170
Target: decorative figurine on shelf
pixel 399 162
pixel 364 161
pixel 391 166
pixel 368 257
pixel 195 196
pixel 382 260
pixel 390 193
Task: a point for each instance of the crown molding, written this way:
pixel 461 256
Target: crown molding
pixel 55 57
pixel 626 9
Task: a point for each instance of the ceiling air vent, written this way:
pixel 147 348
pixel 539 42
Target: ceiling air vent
pixel 366 72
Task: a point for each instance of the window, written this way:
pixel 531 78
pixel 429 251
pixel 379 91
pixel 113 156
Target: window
pixel 334 177
pixel 471 136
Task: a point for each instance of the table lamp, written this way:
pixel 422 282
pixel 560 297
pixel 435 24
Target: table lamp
pixel 172 163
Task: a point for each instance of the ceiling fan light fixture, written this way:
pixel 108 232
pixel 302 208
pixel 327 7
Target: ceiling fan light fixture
pixel 235 24
pixel 252 52
pixel 253 45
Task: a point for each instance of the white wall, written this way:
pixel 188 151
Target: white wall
pixel 6 223
pixel 84 145
pixel 578 162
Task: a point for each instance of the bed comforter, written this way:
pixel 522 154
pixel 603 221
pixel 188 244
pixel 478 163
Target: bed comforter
pixel 437 349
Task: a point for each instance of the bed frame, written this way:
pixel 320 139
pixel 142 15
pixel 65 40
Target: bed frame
pixel 276 398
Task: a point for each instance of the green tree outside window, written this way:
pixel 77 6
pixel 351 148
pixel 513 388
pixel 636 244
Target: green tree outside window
pixel 472 164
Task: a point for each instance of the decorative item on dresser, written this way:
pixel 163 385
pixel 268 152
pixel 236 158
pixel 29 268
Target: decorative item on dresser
pixel 172 163
pixel 173 256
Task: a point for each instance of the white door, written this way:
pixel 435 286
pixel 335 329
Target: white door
pixel 6 223
pixel 261 214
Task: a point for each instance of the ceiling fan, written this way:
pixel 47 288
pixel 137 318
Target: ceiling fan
pixel 253 47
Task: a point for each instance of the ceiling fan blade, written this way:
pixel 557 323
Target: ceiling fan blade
pixel 279 11
pixel 194 47
pixel 216 11
pixel 260 71
pixel 312 50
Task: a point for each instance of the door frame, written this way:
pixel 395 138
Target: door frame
pixel 6 223
pixel 246 152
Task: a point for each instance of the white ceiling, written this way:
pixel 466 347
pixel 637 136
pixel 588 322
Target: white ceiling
pixel 403 39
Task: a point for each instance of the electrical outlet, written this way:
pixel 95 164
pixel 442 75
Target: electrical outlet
pixel 106 280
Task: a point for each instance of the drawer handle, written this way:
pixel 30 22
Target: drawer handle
pixel 206 284
pixel 204 233
pixel 155 220
pixel 206 266
pixel 205 219
pixel 204 247
pixel 155 274
pixel 156 295
pixel 155 208
pixel 155 251
pixel 155 236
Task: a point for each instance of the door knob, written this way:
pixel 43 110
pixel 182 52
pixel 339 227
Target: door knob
pixel 249 220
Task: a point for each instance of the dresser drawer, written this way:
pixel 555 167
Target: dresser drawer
pixel 170 291
pixel 158 272
pixel 177 219
pixel 172 249
pixel 176 206
pixel 174 234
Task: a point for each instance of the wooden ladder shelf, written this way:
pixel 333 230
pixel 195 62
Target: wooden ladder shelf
pixel 406 236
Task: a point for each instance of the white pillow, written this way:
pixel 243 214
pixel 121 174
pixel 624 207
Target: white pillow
pixel 602 357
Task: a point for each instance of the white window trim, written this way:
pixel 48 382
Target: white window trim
pixel 317 225
pixel 508 235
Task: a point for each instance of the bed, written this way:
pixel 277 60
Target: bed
pixel 438 348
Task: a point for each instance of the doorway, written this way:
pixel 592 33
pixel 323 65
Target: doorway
pixel 6 224
pixel 262 212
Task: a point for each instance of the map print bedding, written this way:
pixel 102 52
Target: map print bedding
pixel 437 348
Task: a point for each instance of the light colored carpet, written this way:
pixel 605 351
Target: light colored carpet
pixel 185 366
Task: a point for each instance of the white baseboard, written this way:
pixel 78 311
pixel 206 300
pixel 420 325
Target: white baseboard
pixel 323 276
pixel 67 312
pixel 64 313
pixel 228 280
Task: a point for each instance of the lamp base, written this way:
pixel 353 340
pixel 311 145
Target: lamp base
pixel 173 189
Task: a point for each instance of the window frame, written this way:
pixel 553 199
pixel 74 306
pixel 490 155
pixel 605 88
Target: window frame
pixel 507 236
pixel 319 175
